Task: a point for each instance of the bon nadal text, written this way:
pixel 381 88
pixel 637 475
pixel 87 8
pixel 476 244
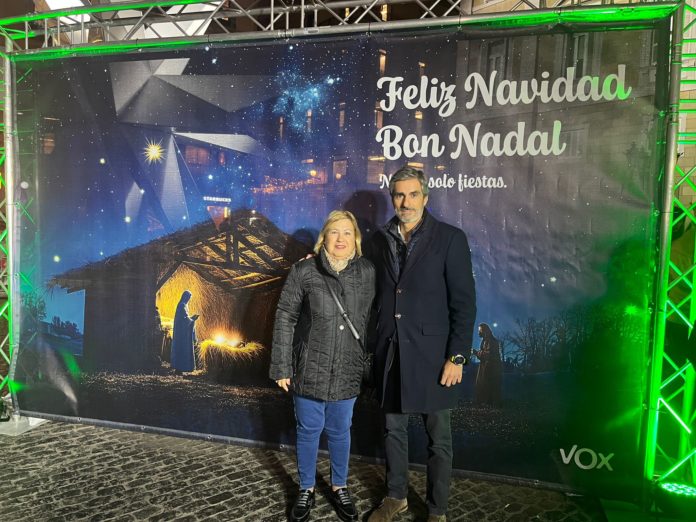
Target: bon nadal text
pixel 431 93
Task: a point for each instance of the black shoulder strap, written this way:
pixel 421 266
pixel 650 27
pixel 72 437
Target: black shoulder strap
pixel 342 311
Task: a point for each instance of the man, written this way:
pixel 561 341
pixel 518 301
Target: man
pixel 425 312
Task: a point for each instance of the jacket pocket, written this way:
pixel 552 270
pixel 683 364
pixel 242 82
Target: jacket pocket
pixel 435 329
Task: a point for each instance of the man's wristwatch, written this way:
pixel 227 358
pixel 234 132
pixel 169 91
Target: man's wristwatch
pixel 458 359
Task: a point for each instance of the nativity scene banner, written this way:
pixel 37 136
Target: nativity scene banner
pixel 169 193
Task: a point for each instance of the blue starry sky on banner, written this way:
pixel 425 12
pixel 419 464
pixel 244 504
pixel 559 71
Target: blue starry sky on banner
pixel 136 147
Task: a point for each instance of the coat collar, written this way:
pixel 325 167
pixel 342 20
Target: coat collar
pixel 325 266
pixel 425 230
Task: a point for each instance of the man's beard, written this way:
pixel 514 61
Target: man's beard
pixel 413 217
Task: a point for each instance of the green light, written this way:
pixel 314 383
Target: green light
pixel 602 17
pixel 674 414
pixel 678 465
pixel 684 490
pixel 71 364
pixel 632 310
pixel 15 386
pixel 95 50
pixel 674 376
pixel 676 499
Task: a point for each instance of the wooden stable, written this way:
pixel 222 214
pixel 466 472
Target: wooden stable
pixel 130 298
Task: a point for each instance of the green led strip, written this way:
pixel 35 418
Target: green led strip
pixel 589 15
pixel 105 49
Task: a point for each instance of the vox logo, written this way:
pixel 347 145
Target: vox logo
pixel 585 458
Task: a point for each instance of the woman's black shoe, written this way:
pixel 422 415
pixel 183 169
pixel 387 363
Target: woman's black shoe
pixel 345 509
pixel 303 506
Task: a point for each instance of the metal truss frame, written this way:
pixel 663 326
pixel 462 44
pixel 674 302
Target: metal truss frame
pixel 670 443
pixel 670 447
pixel 6 348
pixel 134 22
pixel 9 87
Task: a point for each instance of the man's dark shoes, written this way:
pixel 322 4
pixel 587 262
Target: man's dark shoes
pixel 345 509
pixel 303 506
pixel 388 509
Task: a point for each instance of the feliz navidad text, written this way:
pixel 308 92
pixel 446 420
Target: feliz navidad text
pixel 431 93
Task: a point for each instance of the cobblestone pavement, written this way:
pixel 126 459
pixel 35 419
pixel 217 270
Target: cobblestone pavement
pixel 60 471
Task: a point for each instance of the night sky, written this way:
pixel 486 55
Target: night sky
pixel 267 127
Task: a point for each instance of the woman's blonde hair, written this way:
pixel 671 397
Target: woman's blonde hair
pixel 337 215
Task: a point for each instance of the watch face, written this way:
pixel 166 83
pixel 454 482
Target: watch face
pixel 458 359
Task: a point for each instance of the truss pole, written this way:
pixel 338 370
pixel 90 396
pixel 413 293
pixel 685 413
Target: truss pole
pixel 9 166
pixel 666 215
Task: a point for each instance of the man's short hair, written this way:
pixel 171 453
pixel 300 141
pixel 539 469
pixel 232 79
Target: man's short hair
pixel 409 173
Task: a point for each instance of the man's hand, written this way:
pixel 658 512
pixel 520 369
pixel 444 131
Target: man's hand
pixel 451 374
pixel 284 383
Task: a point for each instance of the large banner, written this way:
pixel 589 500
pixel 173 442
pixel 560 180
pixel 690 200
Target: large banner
pixel 210 170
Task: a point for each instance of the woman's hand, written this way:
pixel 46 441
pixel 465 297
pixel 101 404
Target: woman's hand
pixel 284 383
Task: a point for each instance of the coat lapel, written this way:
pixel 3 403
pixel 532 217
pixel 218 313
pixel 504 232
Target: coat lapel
pixel 385 252
pixel 388 261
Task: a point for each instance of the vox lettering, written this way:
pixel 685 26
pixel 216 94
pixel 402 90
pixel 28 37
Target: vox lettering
pixel 585 458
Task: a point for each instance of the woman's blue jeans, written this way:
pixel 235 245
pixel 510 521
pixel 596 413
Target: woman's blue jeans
pixel 314 416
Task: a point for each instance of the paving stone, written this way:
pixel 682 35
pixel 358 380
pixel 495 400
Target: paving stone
pixel 61 472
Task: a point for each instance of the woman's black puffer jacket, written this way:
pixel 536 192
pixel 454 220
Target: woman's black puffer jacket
pixel 312 344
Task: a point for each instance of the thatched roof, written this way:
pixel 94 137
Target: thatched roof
pixel 245 251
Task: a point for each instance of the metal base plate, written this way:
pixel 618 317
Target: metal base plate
pixel 18 425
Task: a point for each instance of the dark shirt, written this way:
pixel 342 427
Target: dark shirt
pixel 400 250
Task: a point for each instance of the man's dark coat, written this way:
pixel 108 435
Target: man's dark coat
pixel 430 307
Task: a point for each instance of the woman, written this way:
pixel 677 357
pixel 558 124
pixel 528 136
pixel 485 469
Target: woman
pixel 488 378
pixel 315 353
pixel 183 337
